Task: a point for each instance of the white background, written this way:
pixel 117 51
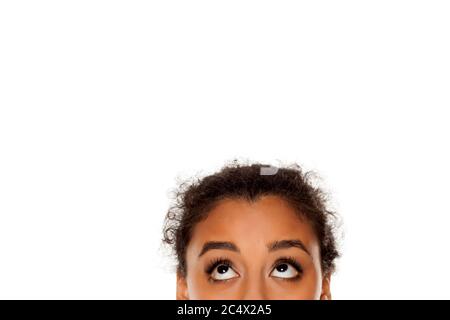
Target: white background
pixel 105 104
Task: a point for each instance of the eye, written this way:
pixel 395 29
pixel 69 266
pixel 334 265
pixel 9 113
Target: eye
pixel 286 270
pixel 223 272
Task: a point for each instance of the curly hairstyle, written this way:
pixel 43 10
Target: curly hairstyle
pixel 193 200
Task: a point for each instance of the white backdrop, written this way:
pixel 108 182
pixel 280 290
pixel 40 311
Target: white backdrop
pixel 104 104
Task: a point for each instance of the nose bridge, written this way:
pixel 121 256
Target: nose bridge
pixel 254 288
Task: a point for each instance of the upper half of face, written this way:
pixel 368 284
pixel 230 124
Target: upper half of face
pixel 254 250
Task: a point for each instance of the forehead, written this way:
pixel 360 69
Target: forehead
pixel 254 224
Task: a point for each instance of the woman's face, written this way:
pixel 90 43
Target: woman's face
pixel 257 251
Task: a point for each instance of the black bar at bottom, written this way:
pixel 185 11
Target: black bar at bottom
pixel 229 309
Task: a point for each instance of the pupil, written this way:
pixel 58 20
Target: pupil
pixel 222 269
pixel 282 267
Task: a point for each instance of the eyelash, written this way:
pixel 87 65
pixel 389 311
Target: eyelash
pixel 226 262
pixel 214 264
pixel 291 261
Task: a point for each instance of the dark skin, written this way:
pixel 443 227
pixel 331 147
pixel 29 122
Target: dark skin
pixel 253 251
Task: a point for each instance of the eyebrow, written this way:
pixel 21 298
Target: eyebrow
pixel 223 245
pixel 273 246
pixel 286 244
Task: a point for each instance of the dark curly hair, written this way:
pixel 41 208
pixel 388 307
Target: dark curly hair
pixel 194 199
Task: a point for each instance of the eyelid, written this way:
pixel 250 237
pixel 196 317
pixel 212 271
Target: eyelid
pixel 216 262
pixel 212 266
pixel 289 260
